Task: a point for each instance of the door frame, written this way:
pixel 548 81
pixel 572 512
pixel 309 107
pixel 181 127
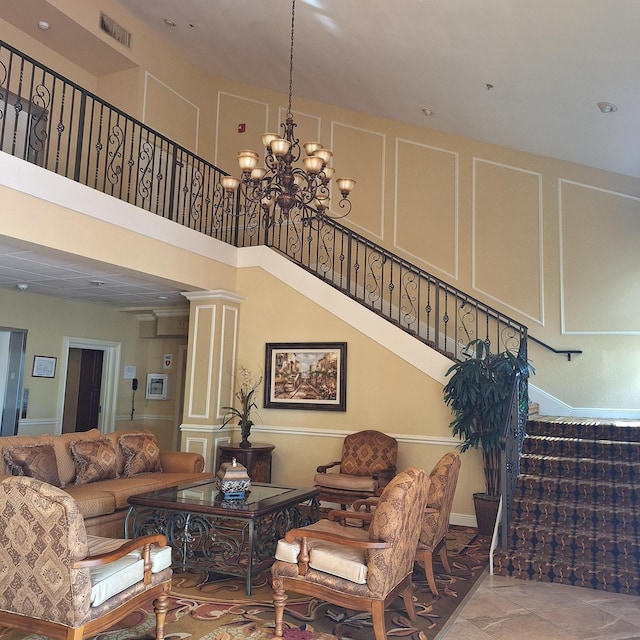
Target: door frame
pixel 110 369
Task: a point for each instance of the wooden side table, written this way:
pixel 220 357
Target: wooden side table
pixel 257 459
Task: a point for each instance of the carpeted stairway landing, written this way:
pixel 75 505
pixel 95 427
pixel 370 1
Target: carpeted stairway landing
pixel 576 509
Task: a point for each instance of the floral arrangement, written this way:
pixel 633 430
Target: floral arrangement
pixel 247 386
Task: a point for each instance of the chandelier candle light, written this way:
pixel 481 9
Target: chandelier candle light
pixel 280 183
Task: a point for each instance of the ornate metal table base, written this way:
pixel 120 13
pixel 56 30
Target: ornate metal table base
pixel 235 543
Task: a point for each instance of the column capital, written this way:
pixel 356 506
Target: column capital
pixel 215 294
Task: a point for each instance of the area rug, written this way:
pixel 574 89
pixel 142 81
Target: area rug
pixel 205 606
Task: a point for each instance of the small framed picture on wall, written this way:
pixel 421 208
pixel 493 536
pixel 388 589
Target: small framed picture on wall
pixel 44 367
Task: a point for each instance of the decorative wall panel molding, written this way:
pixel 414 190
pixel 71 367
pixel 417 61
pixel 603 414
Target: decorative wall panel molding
pixel 507 232
pixel 360 154
pixel 599 260
pixel 202 359
pixel 170 113
pixel 425 224
pixel 234 110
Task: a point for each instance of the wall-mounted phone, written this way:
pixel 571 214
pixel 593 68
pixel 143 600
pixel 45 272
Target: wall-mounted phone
pixel 134 388
pixel 130 374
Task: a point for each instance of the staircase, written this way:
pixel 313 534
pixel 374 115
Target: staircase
pixel 576 508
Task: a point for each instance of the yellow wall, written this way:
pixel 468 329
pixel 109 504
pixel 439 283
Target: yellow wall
pixel 47 322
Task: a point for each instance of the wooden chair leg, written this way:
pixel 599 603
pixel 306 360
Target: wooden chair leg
pixel 443 556
pixel 160 608
pixel 407 596
pixel 279 600
pixel 427 559
pixel 377 614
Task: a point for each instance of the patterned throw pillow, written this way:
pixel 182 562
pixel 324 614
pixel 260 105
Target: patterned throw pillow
pixel 141 453
pixel 94 460
pixel 33 460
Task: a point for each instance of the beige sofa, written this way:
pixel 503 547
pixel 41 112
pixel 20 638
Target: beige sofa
pixel 100 470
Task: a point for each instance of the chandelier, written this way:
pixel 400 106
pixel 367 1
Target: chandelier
pixel 281 187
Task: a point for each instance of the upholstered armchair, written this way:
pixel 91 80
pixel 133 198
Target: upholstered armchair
pixel 435 524
pixel 362 570
pixel 367 464
pixel 61 583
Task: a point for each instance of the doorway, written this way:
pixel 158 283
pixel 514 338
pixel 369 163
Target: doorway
pixel 82 406
pixel 12 350
pixel 88 396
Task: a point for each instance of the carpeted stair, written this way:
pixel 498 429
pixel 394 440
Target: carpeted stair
pixel 576 510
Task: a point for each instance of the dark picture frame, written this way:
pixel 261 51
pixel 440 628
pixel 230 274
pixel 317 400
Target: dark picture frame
pixel 306 375
pixel 44 367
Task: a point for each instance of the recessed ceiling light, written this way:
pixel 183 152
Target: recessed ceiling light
pixel 163 297
pixel 169 23
pixel 427 111
pixel 607 107
pixel 44 25
pixel 97 283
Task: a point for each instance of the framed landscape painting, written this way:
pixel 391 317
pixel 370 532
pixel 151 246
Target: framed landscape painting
pixel 306 375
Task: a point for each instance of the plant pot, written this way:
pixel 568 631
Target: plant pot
pixel 486 512
pixel 245 431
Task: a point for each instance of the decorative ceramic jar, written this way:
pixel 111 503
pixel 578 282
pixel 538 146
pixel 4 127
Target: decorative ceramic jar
pixel 233 480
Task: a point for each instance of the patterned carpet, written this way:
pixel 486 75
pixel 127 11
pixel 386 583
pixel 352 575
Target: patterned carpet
pixel 210 607
pixel 576 510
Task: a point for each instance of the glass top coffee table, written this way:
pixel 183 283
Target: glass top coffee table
pixel 231 537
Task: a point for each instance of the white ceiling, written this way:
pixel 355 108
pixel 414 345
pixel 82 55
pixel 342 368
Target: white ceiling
pixel 549 61
pixel 54 273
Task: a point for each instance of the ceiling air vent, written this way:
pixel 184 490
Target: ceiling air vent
pixel 116 31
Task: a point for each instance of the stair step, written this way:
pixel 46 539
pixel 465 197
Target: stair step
pixel 617 430
pixel 620 579
pixel 580 468
pixel 535 486
pixel 585 517
pixel 601 449
pixel 571 543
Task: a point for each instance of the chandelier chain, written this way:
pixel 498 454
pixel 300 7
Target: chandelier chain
pixel 280 188
pixel 293 21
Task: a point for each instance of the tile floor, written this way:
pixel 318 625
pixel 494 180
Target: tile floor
pixel 502 608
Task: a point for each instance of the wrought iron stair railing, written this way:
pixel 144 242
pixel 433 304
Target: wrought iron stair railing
pixel 54 123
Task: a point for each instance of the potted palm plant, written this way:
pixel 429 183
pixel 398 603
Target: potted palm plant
pixel 478 393
pixel 247 386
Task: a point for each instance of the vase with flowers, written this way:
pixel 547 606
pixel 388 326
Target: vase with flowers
pixel 247 386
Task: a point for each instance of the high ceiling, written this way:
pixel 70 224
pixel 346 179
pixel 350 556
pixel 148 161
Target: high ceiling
pixel 519 73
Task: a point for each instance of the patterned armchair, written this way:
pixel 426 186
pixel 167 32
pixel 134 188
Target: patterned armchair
pixel 362 570
pixel 367 464
pixel 444 478
pixel 61 583
pixel 435 524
